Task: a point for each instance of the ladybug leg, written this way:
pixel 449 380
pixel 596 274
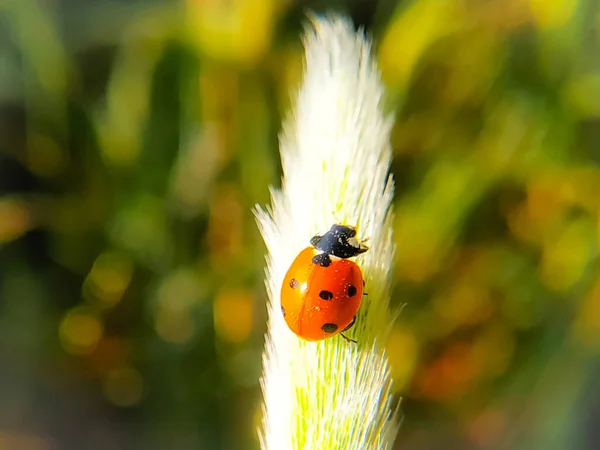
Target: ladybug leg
pixel 348 339
pixel 350 325
pixel 347 328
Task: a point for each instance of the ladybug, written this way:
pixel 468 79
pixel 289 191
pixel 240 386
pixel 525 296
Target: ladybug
pixel 323 289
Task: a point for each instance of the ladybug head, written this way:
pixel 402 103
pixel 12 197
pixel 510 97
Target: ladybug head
pixel 339 241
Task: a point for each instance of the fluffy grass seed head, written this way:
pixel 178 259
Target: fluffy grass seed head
pixel 335 155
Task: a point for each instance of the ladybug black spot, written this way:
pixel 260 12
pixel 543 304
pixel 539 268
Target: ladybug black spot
pixel 351 291
pixel 329 327
pixel 322 259
pixel 294 284
pixel 326 295
pixel 283 311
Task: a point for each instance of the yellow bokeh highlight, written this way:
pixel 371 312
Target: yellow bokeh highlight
pixel 233 314
pixel 80 332
pixel 177 295
pixel 236 31
pixel 15 218
pixel 109 278
pixel 554 13
pixel 123 387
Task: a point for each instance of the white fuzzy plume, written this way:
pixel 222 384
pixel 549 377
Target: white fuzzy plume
pixel 335 154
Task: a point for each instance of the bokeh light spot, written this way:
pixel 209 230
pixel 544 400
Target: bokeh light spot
pixel 552 14
pixel 110 275
pixel 15 219
pixel 176 327
pixel 176 297
pixel 233 314
pixel 80 332
pixel 221 28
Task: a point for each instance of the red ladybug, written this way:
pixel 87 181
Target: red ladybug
pixel 323 289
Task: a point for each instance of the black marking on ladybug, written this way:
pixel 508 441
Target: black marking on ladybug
pixel 326 295
pixel 322 259
pixel 337 242
pixel 329 327
pixel 283 310
pixel 294 284
pixel 351 291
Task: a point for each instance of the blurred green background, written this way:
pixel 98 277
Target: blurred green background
pixel 136 136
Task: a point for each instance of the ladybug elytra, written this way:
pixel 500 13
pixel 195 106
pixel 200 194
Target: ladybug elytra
pixel 323 289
